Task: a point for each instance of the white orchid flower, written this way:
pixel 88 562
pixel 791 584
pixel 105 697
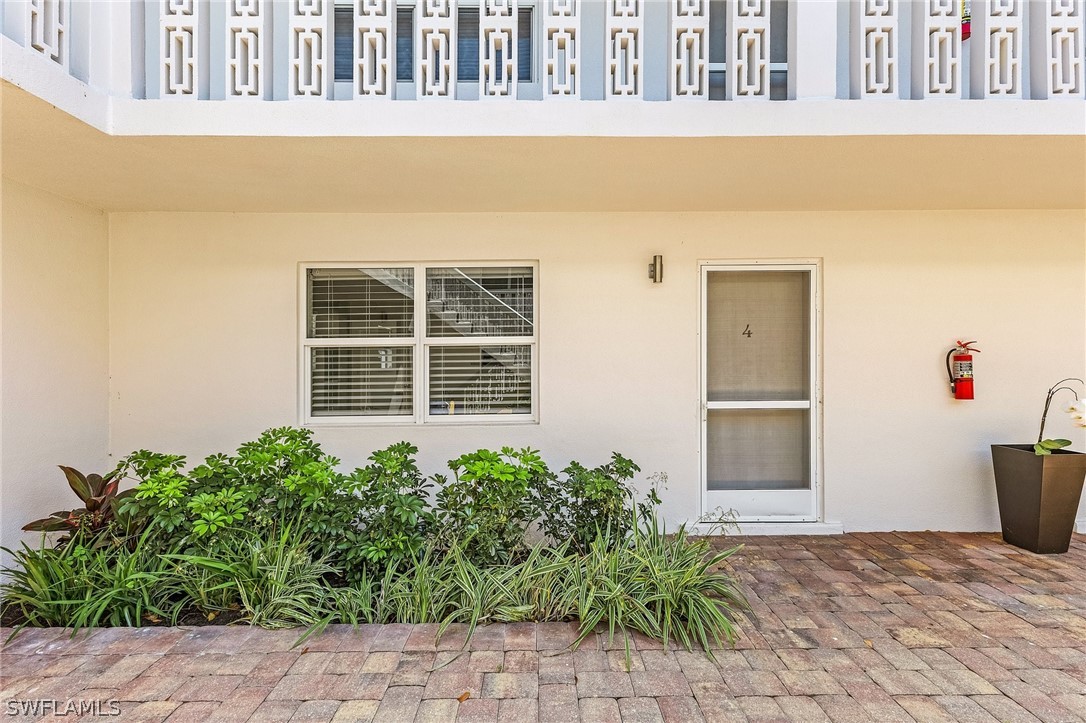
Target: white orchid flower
pixel 1077 410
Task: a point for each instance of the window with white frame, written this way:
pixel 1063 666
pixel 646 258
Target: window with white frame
pixel 419 343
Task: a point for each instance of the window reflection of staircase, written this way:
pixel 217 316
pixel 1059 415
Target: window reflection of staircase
pixel 467 308
pixel 399 280
pixel 460 306
pixel 504 385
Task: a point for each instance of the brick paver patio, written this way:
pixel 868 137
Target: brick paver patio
pixel 882 627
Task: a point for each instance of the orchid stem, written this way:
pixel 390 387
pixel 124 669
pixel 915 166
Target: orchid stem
pixel 1058 386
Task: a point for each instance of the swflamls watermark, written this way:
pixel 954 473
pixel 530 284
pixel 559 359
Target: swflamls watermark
pixel 45 707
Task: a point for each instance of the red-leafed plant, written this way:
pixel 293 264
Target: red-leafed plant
pixel 99 496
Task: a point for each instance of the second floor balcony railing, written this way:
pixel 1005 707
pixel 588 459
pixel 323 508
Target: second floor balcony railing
pixel 654 50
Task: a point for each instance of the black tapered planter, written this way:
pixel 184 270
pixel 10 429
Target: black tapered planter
pixel 1038 495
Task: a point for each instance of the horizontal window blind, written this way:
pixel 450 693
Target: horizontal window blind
pixel 361 303
pixel 366 355
pixel 405 44
pixel 480 301
pixel 480 380
pixel 361 381
pixel 343 43
pixel 467 44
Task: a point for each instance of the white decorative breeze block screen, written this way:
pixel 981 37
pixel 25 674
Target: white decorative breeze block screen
pixel 875 48
pixel 310 63
pixel 435 52
pixel 689 57
pixel 996 39
pixel 498 49
pixel 747 49
pixel 625 42
pixel 561 48
pixel 937 49
pixel 1056 49
pixel 374 48
pixel 179 56
pixel 247 24
pixel 49 29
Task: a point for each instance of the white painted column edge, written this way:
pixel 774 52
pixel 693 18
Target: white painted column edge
pixel 812 49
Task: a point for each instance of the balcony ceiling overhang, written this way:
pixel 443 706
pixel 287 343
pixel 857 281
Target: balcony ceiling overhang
pixel 45 147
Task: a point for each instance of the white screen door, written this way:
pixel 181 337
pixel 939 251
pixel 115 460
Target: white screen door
pixel 759 391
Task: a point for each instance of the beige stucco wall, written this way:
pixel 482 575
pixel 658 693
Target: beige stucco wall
pixel 203 338
pixel 55 351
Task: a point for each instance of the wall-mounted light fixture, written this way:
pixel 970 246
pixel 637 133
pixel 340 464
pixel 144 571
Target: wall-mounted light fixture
pixel 656 269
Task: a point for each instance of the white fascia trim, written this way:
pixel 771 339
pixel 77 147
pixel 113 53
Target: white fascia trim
pixel 121 116
pixel 38 75
pixel 769 528
pixel 647 119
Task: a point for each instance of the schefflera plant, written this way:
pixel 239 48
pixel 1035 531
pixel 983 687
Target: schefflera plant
pixel 488 505
pixel 393 519
pixel 588 503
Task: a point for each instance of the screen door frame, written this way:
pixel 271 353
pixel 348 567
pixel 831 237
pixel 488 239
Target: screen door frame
pixel 786 505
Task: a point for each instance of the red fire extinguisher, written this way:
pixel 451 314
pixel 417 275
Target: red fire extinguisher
pixel 959 367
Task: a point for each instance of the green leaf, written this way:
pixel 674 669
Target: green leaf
pixel 1039 450
pixel 1055 443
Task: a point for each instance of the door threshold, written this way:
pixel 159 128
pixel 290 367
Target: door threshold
pixel 768 528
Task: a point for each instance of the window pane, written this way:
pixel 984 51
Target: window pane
pixel 778 48
pixel 758 336
pixel 361 303
pixel 481 380
pixel 361 381
pixel 467 44
pixel 758 449
pixel 480 301
pixel 405 44
pixel 343 43
pixel 524 45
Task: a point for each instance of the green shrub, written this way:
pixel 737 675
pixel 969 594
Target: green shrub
pixel 488 505
pixel 276 535
pixel 281 479
pixel 79 585
pixel 668 587
pixel 354 604
pixel 272 580
pixel 159 500
pixel 589 502
pixel 447 586
pixel 394 519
